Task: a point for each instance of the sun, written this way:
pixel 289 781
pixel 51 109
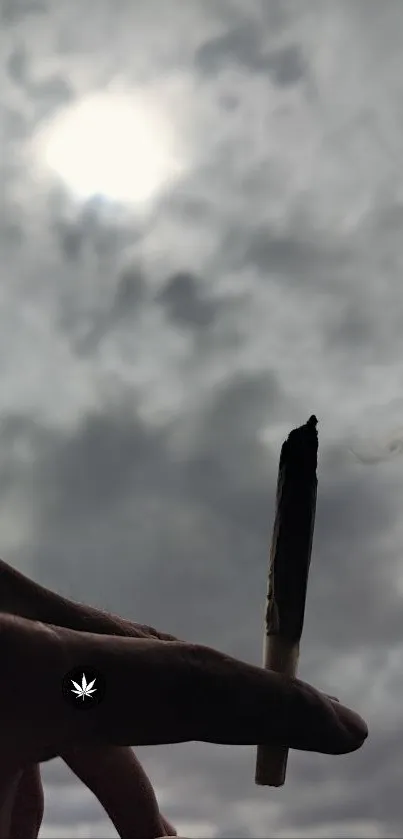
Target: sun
pixel 121 147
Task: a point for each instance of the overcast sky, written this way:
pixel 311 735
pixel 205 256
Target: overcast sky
pixel 201 246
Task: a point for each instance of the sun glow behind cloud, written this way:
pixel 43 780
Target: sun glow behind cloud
pixel 118 146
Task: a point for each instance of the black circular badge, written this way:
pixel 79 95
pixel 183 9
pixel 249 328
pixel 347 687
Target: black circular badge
pixel 84 687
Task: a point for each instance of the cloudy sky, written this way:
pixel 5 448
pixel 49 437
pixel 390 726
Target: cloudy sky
pixel 200 238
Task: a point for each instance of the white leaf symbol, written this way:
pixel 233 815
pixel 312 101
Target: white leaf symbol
pixel 84 689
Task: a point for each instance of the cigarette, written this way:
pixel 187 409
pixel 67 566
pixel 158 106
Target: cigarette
pixel 290 557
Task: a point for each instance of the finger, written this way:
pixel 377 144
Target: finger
pixel 21 596
pixel 9 780
pixel 27 811
pixel 168 827
pixel 120 783
pixel 184 692
pixel 165 693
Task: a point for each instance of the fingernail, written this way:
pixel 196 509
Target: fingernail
pixel 355 727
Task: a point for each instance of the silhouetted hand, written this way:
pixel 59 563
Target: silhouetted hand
pixel 158 690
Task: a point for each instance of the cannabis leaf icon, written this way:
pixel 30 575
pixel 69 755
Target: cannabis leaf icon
pixel 85 689
pixel 82 683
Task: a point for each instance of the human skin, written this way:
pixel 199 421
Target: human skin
pixel 173 692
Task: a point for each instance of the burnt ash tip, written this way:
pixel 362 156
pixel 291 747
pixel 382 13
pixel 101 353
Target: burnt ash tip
pixel 299 453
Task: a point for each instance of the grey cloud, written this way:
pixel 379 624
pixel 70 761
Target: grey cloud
pixel 91 242
pixel 215 324
pixel 99 466
pixel 127 304
pixel 92 224
pixel 353 328
pixel 131 292
pixel 88 232
pixel 70 237
pixel 238 410
pixel 293 255
pixel 243 46
pixel 191 207
pixel 239 45
pixel 14 124
pixel 17 65
pixel 187 301
pixel 181 297
pixel 50 94
pixel 44 95
pixel 287 65
pixel 12 11
pixel 87 809
pixel 361 772
pixel 389 219
pixel 11 232
pixel 87 326
pixel 22 433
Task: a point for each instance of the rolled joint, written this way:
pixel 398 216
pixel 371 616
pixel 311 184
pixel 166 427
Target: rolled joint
pixel 282 656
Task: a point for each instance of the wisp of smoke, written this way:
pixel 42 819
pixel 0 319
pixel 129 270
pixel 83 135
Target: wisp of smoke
pixel 370 451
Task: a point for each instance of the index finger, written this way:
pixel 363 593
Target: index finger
pixel 23 597
pixel 165 693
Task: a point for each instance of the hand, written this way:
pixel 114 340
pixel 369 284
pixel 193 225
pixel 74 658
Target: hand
pixel 173 692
